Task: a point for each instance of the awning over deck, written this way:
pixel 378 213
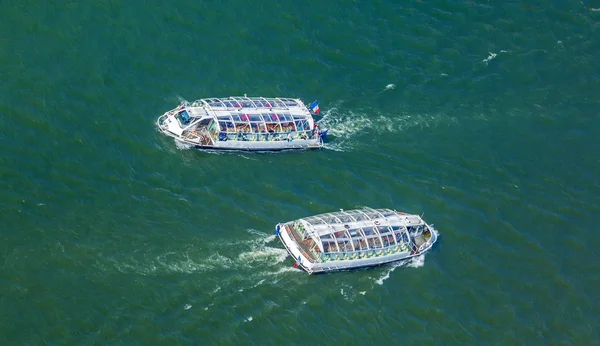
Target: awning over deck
pixel 360 229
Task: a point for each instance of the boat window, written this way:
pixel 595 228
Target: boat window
pixel 345 218
pixel 368 231
pixel 340 234
pixel 354 233
pixel 345 245
pixel 286 117
pixel 360 244
pixel 374 243
pixel 326 236
pixel 329 246
pixel 236 117
pixel 372 214
pixel 332 219
pixel 405 238
pixel 255 117
pixel 184 118
pixel 383 229
pixel 387 240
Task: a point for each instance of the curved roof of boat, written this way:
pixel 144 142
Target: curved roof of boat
pixel 234 102
pixel 357 224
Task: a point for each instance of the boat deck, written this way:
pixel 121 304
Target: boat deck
pixel 304 247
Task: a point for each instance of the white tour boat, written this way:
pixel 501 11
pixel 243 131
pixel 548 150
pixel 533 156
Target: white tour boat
pixel 355 238
pixel 244 123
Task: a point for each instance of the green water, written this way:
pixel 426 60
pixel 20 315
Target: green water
pixel 481 115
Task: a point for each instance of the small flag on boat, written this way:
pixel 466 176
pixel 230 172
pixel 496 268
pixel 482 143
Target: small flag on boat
pixel 315 107
pixel 297 262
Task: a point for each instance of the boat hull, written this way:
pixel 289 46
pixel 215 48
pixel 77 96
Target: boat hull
pixel 264 146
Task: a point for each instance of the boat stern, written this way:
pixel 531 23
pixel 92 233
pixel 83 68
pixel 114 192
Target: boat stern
pixel 293 248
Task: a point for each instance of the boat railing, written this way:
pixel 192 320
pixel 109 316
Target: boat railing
pixel 268 137
pixel 360 254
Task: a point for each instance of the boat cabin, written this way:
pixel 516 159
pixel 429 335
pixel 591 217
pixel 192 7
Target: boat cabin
pixel 356 233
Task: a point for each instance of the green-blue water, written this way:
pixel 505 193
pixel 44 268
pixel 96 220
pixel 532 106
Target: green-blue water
pixel 481 115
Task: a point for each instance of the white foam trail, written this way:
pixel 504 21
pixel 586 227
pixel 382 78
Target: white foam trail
pixel 344 127
pixel 187 306
pixel 389 87
pixel 182 146
pixel 416 262
pixel 489 58
pixel 387 274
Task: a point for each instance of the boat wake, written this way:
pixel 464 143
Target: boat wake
pixel 415 262
pixel 250 253
pixel 346 125
pixel 182 146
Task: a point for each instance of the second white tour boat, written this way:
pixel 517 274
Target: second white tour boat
pixel 244 123
pixel 355 238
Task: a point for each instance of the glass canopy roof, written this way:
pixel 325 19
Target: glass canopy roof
pixel 250 102
pixel 361 229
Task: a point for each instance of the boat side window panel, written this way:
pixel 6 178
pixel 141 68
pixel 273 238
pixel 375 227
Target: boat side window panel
pixel 374 243
pixel 329 246
pixel 368 231
pixel 398 236
pixel 332 219
pixel 255 118
pixel 359 216
pixel 348 246
pixel 340 234
pixel 236 117
pixel 345 218
pixel 372 214
pixel 404 238
pixel 383 229
pixel 354 233
pixel 360 244
pixel 388 240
